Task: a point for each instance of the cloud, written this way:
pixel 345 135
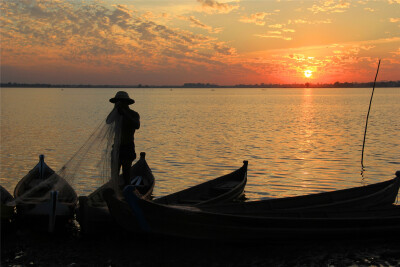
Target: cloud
pixel 278 33
pixel 276 26
pixel 302 21
pixel 224 49
pixel 256 18
pixel 369 9
pixel 197 23
pixel 90 35
pixel 275 32
pixel 330 6
pixel 288 30
pixel 396 52
pixel 274 35
pixel 212 6
pixel 367 47
pixel 394 20
pixel 120 16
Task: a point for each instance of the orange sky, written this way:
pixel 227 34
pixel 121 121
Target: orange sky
pixel 175 42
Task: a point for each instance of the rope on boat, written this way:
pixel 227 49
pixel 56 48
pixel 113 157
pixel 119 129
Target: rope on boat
pixel 366 122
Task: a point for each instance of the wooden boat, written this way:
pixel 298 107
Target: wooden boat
pixel 43 196
pixel 92 212
pixel 363 197
pixel 218 190
pixel 143 216
pixel 7 207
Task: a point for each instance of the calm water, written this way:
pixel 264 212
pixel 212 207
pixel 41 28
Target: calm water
pixel 297 141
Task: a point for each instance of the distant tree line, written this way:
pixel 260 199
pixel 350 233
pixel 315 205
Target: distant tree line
pixel 209 85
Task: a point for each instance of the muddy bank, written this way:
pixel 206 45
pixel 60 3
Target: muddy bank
pixel 115 247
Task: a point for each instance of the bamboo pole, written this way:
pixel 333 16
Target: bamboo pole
pixel 366 121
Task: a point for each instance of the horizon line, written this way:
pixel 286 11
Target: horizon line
pixel 212 85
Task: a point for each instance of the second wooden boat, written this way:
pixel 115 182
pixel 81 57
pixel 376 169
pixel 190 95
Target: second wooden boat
pixel 218 190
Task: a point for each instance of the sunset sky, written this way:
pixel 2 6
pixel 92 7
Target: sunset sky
pixel 160 42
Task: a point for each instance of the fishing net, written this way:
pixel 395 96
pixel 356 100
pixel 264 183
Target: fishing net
pixel 96 162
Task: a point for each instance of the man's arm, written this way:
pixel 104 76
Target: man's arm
pixel 135 118
pixel 111 117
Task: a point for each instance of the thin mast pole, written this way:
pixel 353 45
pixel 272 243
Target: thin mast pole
pixel 366 121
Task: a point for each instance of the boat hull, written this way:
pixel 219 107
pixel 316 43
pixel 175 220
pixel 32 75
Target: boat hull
pixel 141 216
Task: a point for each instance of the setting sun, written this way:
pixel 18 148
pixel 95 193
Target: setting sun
pixel 308 73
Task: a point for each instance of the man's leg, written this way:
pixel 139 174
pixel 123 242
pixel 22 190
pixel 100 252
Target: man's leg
pixel 115 169
pixel 127 156
pixel 126 169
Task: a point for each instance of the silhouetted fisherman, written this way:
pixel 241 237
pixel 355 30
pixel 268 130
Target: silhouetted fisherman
pixel 125 127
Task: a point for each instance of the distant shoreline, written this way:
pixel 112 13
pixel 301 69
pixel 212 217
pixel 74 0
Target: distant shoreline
pixel 208 85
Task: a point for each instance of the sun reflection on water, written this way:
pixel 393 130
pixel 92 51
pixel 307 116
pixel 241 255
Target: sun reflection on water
pixel 297 141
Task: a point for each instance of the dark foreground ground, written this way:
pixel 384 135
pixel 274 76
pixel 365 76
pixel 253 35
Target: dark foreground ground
pixel 23 247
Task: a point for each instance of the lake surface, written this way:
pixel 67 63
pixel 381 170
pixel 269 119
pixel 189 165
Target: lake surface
pixel 297 141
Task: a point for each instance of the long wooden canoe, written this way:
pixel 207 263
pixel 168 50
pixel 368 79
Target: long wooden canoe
pixel 7 207
pixel 218 190
pixel 363 197
pixel 45 197
pixel 92 211
pixel 143 216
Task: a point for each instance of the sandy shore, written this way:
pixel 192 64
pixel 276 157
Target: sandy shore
pixel 24 247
